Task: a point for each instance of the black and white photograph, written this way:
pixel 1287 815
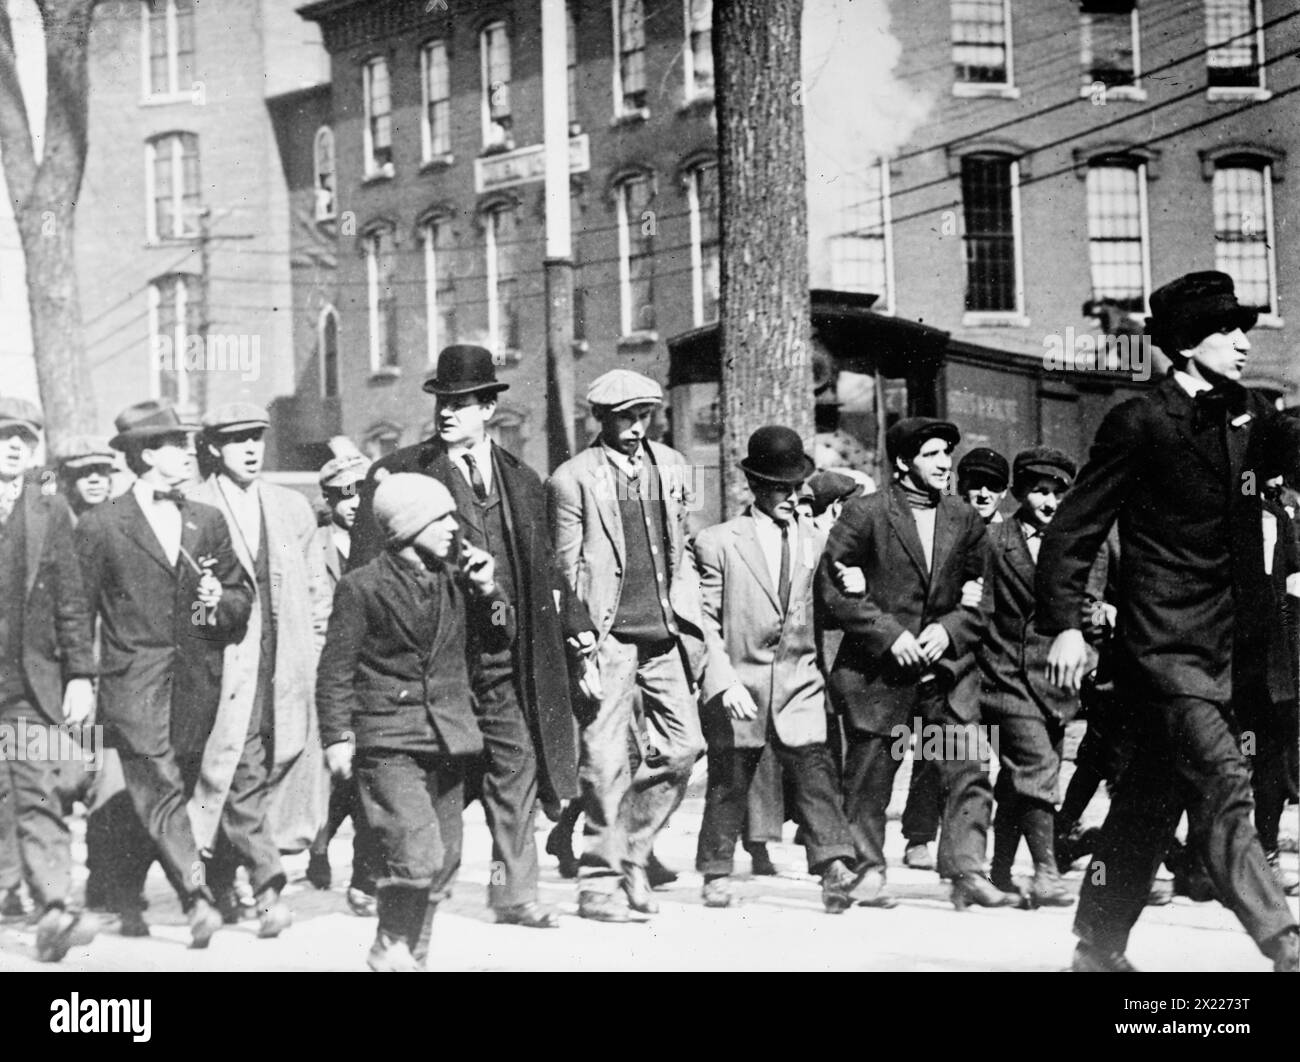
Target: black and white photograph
pixel 651 486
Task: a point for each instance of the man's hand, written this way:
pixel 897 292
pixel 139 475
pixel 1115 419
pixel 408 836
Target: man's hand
pixel 479 567
pixel 738 702
pixel 972 593
pixel 583 644
pixel 934 642
pixel 907 651
pixel 78 700
pixel 1099 615
pixel 1067 660
pixel 338 758
pixel 209 593
pixel 852 581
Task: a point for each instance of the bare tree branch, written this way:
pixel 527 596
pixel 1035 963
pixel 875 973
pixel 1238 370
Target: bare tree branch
pixel 15 131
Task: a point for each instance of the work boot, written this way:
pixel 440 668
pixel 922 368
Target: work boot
pixel 1047 889
pixel 838 883
pixel 1091 959
pixel 636 886
pixel 975 890
pixel 60 930
pixel 559 843
pixel 918 856
pixel 657 874
pixel 717 892
pixel 273 914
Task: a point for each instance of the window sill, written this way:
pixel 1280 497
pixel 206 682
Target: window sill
pixel 385 374
pixel 634 116
pixel 988 319
pixel 1235 94
pixel 1134 93
pixel 503 148
pixel 969 90
pixel 436 163
pixel 1270 320
pixel 155 242
pixel 637 340
pixel 326 219
pixel 167 99
pixel 702 101
pixel 385 173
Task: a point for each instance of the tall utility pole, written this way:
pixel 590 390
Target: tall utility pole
pixel 559 240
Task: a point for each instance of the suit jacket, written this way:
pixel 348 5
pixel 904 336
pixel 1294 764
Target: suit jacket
pixel 582 503
pixel 1013 655
pixel 160 663
pixel 749 640
pixel 300 611
pixel 398 654
pixel 58 631
pixel 323 543
pixel 1191 573
pixel 538 595
pixel 877 533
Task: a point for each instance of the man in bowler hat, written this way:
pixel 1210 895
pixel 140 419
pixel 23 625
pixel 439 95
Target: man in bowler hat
pixel 521 691
pixel 1170 467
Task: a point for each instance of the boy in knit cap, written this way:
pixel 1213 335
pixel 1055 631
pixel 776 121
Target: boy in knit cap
pixel 393 692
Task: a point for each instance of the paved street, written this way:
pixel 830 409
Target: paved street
pixel 779 926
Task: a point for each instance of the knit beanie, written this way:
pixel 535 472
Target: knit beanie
pixel 406 503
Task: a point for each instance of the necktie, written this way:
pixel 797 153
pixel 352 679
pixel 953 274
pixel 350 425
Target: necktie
pixel 783 586
pixel 475 478
pixel 634 465
pixel 169 495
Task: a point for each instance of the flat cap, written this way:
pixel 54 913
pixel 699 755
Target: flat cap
pixel 621 388
pixel 340 472
pixel 85 451
pixel 908 435
pixel 827 487
pixel 983 461
pixel 1043 461
pixel 21 412
pixel 236 416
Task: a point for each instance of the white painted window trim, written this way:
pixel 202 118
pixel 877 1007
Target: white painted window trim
pixel 427 153
pixel 372 300
pixel 1004 89
pixel 372 169
pixel 428 232
pixel 491 273
pixel 180 310
pixel 324 132
pixel 173 90
pixel 176 143
pixel 624 261
pixel 622 113
pixel 326 313
pixel 485 85
pixel 1246 93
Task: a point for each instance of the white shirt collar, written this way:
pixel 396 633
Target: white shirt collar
pixel 144 493
pixel 482 454
pixel 767 521
pixel 1193 385
pixel 620 459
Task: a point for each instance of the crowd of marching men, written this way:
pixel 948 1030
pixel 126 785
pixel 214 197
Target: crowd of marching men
pixel 456 629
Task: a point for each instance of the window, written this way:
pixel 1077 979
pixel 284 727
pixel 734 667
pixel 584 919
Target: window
pixel 1117 250
pixel 328 345
pixel 378 129
pixel 381 256
pixel 169 46
pixel 571 46
pixel 699 48
pixel 1110 42
pixel 629 43
pixel 860 253
pixel 494 49
pixel 1243 229
pixel 1235 43
pixel 436 128
pixel 172 182
pixel 168 330
pixel 981 41
pixel 702 196
pixel 325 171
pixel 439 286
pixel 502 292
pixel 988 195
pixel 636 255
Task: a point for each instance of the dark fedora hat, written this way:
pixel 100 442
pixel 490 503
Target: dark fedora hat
pixel 145 421
pixel 776 455
pixel 464 369
pixel 1186 310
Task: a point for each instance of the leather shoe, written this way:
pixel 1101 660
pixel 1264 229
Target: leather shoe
pixel 1285 951
pixel 559 843
pixel 636 886
pixel 204 922
pixel 918 857
pixel 132 924
pixel 975 890
pixel 838 882
pixel 760 862
pixel 391 954
pixel 59 930
pixel 657 874
pixel 868 890
pixel 1088 959
pixel 273 914
pixel 362 903
pixel 605 907
pixel 318 871
pixel 532 915
pixel 717 892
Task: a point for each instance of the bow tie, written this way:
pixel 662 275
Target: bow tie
pixel 1212 407
pixel 168 495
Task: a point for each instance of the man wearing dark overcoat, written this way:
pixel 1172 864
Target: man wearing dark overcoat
pixel 1172 468
pixel 162 576
pixel 521 692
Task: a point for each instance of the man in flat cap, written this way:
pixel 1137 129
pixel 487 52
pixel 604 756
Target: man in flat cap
pixel 983 476
pixel 263 785
pixel 394 695
pixel 904 636
pixel 618 511
pixel 86 466
pixel 1030 713
pixel 521 693
pixel 1171 467
pixel 162 576
pixel 47 666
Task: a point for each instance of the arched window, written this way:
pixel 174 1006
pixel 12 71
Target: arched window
pixel 327 343
pixel 325 173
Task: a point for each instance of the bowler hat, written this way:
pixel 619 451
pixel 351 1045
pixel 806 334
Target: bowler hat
pixel 236 416
pixel 908 435
pixel 145 421
pixel 22 413
pixel 983 461
pixel 776 455
pixel 464 369
pixel 1043 461
pixel 1186 310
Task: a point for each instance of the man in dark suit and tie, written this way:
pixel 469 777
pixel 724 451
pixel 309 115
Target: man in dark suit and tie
pixel 162 576
pixel 917 548
pixel 47 665
pixel 521 691
pixel 1176 468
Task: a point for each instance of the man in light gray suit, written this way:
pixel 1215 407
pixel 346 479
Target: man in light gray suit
pixel 618 514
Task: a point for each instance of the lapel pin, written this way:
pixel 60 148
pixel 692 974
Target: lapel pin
pixel 1241 421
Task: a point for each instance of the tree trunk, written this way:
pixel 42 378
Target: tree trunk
pixel 45 198
pixel 767 375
